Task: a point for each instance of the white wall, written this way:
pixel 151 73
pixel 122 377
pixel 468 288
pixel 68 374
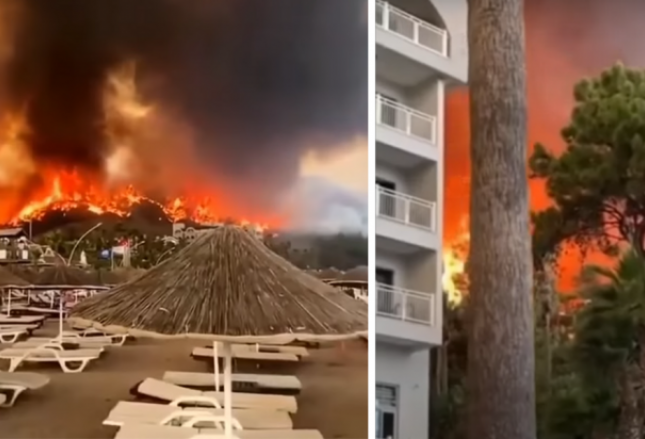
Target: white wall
pixel 409 372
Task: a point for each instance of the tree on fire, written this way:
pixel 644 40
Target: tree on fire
pixel 501 387
pixel 598 184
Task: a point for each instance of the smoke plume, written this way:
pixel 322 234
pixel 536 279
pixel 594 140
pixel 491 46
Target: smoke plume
pixel 255 82
pixel 566 41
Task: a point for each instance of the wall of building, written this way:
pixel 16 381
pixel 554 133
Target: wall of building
pixel 409 372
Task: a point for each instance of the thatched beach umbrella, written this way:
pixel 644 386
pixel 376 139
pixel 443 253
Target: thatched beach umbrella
pixel 227 286
pixel 328 274
pixel 357 274
pixel 126 274
pixel 10 281
pixel 63 276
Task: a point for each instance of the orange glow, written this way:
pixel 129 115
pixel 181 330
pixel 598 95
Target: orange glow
pixel 150 152
pixel 64 191
pixel 552 73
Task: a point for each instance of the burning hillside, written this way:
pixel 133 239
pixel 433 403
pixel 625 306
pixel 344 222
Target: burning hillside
pixel 31 189
pixel 110 104
pixel 566 41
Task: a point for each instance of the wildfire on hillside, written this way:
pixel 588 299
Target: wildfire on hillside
pixel 136 167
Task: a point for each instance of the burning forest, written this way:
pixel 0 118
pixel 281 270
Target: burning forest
pixel 566 42
pixel 110 106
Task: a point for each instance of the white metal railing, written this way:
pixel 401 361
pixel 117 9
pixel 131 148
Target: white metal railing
pixel 411 28
pixel 406 209
pixel 406 305
pixel 408 120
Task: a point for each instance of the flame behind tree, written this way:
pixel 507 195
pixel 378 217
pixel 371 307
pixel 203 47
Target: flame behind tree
pixel 598 183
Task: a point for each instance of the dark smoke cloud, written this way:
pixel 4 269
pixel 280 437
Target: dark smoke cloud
pixel 257 80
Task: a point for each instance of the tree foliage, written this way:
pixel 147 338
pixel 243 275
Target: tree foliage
pixel 598 183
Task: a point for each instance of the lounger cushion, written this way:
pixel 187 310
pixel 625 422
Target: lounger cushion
pixel 270 348
pixel 126 412
pixel 22 320
pixel 27 380
pixel 50 354
pixel 246 354
pixel 31 343
pixel 197 379
pixel 138 431
pixel 169 392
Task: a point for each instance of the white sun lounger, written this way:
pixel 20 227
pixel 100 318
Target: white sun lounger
pixel 143 431
pixel 92 333
pixel 81 341
pixel 207 380
pixel 300 351
pixel 12 334
pixel 21 320
pixel 246 354
pixel 138 413
pixel 50 355
pixel 12 384
pixel 169 392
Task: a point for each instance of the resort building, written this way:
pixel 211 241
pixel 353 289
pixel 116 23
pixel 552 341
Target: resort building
pixel 421 52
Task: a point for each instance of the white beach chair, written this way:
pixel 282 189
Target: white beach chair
pixel 77 340
pixel 169 392
pixel 246 354
pixel 17 356
pixel 12 384
pixel 287 383
pixel 137 413
pixel 143 431
pixel 21 320
pixel 92 333
pixel 299 351
pixel 59 343
pixel 10 334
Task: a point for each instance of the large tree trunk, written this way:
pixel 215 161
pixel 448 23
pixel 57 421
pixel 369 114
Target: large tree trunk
pixel 630 419
pixel 501 399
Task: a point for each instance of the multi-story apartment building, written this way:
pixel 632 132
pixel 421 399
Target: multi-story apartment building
pixel 421 52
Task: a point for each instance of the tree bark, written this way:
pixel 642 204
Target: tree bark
pixel 501 375
pixel 630 419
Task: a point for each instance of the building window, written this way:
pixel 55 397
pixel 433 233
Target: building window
pixel 386 411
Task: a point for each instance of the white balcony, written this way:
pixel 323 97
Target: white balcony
pixel 405 224
pixel 406 209
pixel 406 120
pixel 405 305
pixel 407 26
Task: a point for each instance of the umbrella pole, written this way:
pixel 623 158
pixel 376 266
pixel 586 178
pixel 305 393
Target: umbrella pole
pixel 9 302
pixel 216 366
pixel 60 317
pixel 228 391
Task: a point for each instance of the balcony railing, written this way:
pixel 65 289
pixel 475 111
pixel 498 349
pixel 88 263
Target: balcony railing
pixel 405 119
pixel 406 305
pixel 406 209
pixel 411 28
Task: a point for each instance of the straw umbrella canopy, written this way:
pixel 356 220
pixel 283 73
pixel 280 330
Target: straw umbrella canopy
pixel 63 277
pixel 357 274
pixel 9 280
pixel 126 274
pixel 328 274
pixel 227 285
